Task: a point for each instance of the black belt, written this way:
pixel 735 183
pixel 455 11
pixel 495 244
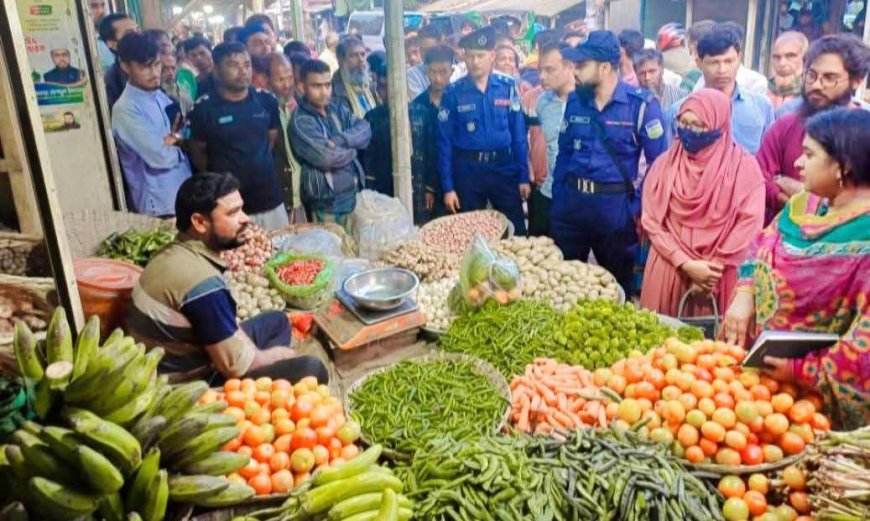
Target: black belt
pixel 587 186
pixel 484 156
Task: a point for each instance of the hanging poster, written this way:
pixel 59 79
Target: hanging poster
pixel 55 56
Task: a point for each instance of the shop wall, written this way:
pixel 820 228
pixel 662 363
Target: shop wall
pixel 656 13
pixel 68 110
pixel 625 14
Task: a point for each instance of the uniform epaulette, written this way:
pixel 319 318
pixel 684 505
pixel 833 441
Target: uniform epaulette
pixel 204 97
pixel 642 94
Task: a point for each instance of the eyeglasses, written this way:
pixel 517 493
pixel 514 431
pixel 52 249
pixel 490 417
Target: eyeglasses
pixel 826 80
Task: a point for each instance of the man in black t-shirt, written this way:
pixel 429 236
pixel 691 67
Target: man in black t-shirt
pixel 233 129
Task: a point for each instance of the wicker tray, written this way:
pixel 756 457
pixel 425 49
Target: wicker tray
pixel 41 292
pixel 724 470
pixel 86 229
pixel 484 368
pixel 348 245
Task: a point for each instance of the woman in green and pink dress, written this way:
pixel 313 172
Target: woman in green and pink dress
pixel 810 269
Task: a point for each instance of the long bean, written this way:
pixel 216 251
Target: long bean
pixel 417 400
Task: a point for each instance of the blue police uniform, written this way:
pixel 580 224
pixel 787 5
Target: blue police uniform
pixel 481 144
pixel 594 208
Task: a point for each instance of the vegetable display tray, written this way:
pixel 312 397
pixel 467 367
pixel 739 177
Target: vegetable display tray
pixel 484 368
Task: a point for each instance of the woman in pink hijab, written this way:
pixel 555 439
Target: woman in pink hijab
pixel 703 204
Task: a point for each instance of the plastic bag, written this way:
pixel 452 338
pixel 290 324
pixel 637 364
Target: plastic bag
pixel 380 223
pixel 347 267
pixel 301 296
pixel 484 276
pixel 317 242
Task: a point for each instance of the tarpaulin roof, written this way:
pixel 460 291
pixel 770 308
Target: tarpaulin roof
pixel 549 8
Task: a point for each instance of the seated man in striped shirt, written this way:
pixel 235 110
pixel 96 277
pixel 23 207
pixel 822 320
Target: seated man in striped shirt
pixel 181 301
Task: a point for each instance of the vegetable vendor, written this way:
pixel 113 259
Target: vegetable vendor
pixel 810 269
pixel 181 301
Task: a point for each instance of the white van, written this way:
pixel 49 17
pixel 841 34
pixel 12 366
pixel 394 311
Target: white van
pixel 369 25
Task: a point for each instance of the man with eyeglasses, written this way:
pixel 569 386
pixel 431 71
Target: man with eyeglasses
pixel 834 68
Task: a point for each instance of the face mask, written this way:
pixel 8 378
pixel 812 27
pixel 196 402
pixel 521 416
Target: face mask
pixel 694 141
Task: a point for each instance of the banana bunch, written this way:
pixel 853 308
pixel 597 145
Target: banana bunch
pixel 358 490
pixel 117 440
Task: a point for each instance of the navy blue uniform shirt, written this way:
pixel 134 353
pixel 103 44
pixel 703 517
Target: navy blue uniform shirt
pixel 482 122
pixel 237 138
pixel 581 153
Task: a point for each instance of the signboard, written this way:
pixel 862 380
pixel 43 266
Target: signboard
pixel 56 61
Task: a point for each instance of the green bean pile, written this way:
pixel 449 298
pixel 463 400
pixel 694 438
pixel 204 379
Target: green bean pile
pixel 508 337
pixel 614 475
pixel 492 478
pixel 598 333
pixel 415 400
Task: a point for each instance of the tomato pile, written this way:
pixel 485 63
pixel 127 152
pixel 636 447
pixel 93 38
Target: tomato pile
pixel 698 400
pixel 300 272
pixel 754 497
pixel 288 431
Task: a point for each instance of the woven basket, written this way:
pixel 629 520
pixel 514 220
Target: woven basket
pixel 348 245
pixel 86 229
pixel 41 292
pixel 484 368
pixel 32 248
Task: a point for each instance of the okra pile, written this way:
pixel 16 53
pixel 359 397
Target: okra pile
pixel 587 474
pixel 420 399
pixel 492 478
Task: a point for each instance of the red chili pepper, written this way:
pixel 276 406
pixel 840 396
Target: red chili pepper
pixel 300 272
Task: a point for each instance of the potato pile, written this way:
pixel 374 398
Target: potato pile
pixel 547 277
pixel 429 264
pixel 16 306
pixel 453 234
pixel 253 294
pixel 432 299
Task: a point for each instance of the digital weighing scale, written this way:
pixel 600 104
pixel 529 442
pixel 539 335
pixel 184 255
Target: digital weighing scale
pixel 350 327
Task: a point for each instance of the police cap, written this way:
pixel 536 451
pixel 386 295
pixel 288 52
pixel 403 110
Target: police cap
pixel 600 46
pixel 480 40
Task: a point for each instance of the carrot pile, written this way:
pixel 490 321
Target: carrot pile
pixel 553 396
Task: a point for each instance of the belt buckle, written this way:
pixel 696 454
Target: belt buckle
pixel 587 186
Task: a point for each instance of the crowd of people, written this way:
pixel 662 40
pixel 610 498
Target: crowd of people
pixel 701 185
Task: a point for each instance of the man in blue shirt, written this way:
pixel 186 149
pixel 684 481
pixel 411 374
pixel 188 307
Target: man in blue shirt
pixel 719 55
pixel 607 125
pixel 153 165
pixel 63 73
pixel 482 146
pixel 233 129
pixel 112 28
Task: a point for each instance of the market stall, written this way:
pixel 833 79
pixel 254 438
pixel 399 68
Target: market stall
pixel 475 375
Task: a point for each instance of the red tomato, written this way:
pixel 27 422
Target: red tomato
pixel 752 455
pixel 303 439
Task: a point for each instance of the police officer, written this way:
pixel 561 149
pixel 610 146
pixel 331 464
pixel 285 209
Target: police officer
pixel 482 150
pixel 607 124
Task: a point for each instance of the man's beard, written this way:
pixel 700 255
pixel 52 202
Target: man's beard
pixel 585 90
pixel 359 77
pixel 218 243
pixel 808 109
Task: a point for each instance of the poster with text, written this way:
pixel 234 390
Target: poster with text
pixel 55 51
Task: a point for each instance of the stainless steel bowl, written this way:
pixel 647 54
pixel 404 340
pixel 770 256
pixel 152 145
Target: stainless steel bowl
pixel 381 289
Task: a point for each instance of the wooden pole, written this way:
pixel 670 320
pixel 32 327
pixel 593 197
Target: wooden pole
pixel 767 37
pixel 397 84
pixel 751 24
pixel 297 20
pixel 36 160
pixel 690 12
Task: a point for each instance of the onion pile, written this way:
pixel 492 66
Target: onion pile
pixel 253 254
pixel 453 234
pixel 432 299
